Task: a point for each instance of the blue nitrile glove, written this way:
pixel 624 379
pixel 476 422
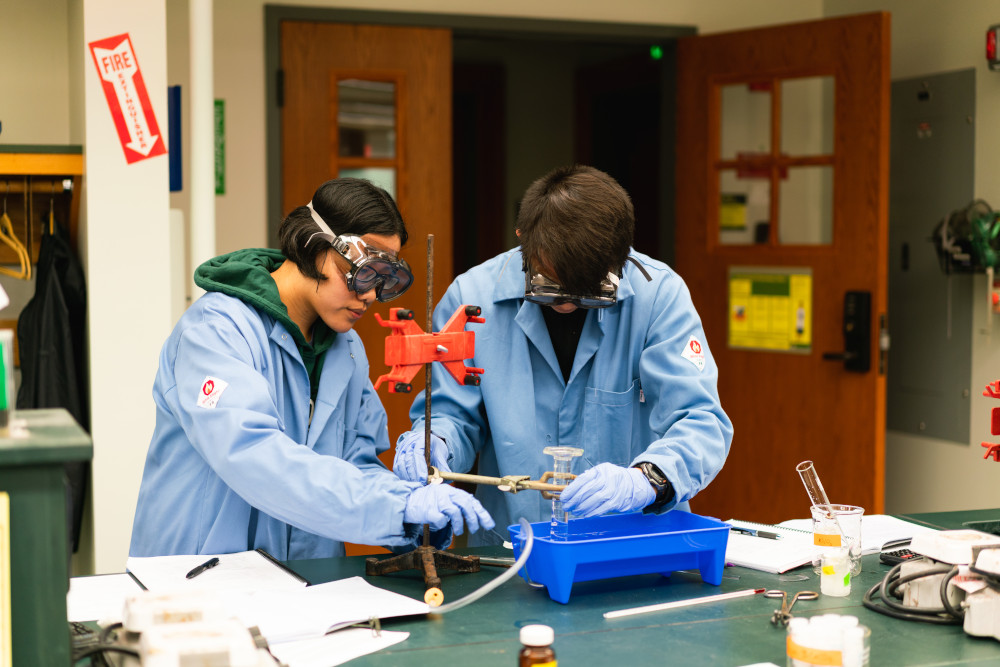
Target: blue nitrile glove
pixel 441 504
pixel 606 488
pixel 409 463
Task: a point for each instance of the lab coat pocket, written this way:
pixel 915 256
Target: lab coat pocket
pixel 608 417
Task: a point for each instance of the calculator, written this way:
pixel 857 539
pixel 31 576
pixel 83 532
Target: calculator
pixel 896 552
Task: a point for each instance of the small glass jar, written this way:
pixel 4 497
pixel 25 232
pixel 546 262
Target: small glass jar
pixel 537 651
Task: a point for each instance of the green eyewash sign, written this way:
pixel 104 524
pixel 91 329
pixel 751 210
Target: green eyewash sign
pixel 220 147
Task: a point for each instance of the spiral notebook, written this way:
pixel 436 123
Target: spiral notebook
pixel 794 549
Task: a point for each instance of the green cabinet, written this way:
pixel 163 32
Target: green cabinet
pixel 32 455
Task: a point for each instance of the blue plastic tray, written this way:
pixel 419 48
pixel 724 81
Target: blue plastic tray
pixel 621 545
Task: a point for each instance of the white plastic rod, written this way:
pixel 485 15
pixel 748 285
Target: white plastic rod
pixel 682 603
pixel 202 238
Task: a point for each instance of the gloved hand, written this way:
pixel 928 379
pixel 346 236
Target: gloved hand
pixel 605 488
pixel 441 504
pixel 409 462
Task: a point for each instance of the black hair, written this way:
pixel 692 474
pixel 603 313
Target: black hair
pixel 349 206
pixel 579 222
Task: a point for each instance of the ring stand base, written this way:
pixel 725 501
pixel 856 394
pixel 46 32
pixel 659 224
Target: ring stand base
pixel 428 560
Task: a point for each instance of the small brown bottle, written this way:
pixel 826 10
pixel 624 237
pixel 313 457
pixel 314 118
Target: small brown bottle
pixel 537 651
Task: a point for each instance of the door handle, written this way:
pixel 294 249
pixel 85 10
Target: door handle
pixel 856 355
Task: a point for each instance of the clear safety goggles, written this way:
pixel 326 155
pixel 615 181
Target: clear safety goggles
pixel 371 268
pixel 542 290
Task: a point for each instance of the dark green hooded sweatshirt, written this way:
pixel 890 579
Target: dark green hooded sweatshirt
pixel 246 275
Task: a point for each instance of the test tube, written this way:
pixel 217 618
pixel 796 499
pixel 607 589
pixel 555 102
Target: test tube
pixel 814 487
pixel 560 472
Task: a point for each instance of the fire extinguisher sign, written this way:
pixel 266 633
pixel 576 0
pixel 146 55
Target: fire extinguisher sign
pixel 127 98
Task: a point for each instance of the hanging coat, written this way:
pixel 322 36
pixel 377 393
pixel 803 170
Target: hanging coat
pixel 50 337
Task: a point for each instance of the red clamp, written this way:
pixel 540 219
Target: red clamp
pixel 992 390
pixel 994 451
pixel 408 348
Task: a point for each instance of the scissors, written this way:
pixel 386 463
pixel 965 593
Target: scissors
pixel 781 616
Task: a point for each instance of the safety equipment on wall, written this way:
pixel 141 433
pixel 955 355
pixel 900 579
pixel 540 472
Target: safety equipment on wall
pixel 968 240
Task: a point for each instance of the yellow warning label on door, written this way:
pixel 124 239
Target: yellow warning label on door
pixel 770 308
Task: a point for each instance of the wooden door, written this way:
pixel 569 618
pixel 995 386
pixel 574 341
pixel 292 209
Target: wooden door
pixel 787 402
pixel 341 80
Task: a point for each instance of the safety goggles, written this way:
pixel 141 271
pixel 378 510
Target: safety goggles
pixel 371 268
pixel 540 289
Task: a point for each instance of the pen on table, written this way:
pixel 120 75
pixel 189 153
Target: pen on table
pixel 756 533
pixel 682 603
pixel 207 565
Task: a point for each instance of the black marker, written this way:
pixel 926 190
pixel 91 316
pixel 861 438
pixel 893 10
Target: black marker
pixel 207 565
pixel 756 533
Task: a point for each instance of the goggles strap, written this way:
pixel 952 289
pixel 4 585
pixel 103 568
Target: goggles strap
pixel 320 222
pixel 632 259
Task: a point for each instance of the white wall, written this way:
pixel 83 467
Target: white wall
pixel 930 37
pixel 128 273
pixel 34 110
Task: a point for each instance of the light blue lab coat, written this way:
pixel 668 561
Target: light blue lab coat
pixel 632 395
pixel 253 471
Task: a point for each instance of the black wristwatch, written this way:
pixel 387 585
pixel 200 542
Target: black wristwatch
pixel 664 489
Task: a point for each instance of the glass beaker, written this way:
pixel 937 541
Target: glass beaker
pixel 563 460
pixel 835 533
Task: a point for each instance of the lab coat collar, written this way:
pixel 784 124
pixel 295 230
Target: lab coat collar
pixel 339 365
pixel 338 368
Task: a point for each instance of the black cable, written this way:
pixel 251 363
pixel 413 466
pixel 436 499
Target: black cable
pixel 110 648
pixel 105 637
pixel 957 613
pixel 895 583
pixel 887 588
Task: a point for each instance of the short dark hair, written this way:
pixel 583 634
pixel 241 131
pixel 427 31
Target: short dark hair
pixel 349 206
pixel 580 222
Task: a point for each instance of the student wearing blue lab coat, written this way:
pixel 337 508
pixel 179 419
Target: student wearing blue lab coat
pixel 267 426
pixel 586 343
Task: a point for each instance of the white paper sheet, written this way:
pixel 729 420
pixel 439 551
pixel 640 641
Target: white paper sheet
pixel 99 598
pixel 289 615
pixel 335 649
pixel 246 570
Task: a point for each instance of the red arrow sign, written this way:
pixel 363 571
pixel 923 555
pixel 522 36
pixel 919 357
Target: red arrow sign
pixel 127 98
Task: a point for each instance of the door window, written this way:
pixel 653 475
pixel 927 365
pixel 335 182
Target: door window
pixel 366 118
pixel 368 129
pixel 775 165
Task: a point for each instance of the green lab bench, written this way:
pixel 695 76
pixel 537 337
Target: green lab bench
pixel 32 473
pixel 728 633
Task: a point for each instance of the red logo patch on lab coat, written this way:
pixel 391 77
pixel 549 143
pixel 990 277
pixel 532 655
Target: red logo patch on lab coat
pixel 211 391
pixel 693 352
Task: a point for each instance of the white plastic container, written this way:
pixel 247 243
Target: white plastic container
pixel 829 639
